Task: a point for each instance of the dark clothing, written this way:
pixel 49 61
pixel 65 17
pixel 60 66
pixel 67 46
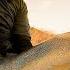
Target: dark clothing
pixel 14 25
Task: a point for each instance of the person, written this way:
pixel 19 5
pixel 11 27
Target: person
pixel 14 27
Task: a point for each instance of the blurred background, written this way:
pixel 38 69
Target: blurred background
pixel 48 18
pixel 49 15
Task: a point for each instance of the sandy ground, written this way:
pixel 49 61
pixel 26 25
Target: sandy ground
pixel 57 59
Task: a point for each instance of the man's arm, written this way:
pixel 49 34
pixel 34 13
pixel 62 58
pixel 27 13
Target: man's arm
pixel 21 21
pixel 21 28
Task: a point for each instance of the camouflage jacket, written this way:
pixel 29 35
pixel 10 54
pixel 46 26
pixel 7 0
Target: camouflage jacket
pixel 13 21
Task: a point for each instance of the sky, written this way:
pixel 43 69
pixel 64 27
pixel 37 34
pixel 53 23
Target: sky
pixel 49 15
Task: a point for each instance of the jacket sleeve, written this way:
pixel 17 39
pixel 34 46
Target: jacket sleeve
pixel 21 28
pixel 21 22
